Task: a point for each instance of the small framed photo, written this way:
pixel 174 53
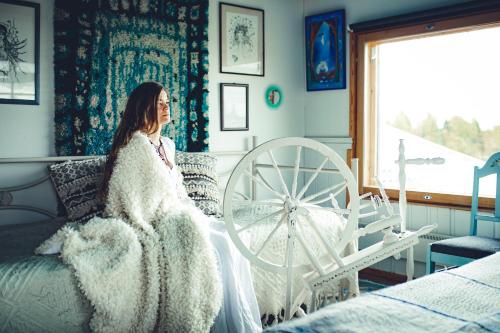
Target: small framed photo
pixel 325 51
pixel 233 107
pixel 19 52
pixel 241 40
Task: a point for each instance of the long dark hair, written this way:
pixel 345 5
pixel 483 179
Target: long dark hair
pixel 140 115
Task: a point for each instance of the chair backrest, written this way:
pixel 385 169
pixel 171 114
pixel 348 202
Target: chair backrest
pixel 492 166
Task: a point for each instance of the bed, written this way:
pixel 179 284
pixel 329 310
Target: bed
pixel 465 299
pixel 40 293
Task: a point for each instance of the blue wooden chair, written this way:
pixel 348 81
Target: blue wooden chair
pixel 458 251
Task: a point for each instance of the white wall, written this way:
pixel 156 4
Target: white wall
pixel 28 130
pixel 284 66
pixel 327 112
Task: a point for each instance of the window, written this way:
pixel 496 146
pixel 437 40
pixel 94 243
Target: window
pixel 434 84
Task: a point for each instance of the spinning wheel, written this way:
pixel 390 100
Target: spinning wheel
pixel 291 193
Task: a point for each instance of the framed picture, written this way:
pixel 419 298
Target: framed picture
pixel 241 40
pixel 233 107
pixel 325 51
pixel 19 52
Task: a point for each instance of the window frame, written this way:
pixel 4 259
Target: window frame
pixel 409 26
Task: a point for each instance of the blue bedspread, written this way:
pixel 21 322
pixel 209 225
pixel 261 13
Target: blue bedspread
pixel 466 299
pixel 37 293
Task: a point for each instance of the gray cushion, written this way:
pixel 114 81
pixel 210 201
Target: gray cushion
pixel 474 247
pixel 77 184
pixel 200 180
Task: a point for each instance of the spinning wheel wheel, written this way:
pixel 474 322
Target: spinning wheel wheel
pixel 285 191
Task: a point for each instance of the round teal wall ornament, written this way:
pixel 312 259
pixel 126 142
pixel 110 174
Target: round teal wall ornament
pixel 274 96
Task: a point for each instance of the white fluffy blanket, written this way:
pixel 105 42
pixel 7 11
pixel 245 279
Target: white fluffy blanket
pixel 149 265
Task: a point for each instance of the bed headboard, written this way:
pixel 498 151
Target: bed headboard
pixel 27 194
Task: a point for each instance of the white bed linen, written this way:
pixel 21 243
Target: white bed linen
pixel 239 311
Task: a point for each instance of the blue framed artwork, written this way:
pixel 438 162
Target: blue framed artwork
pixel 325 51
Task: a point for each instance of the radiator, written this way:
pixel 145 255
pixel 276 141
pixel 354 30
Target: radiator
pixel 420 250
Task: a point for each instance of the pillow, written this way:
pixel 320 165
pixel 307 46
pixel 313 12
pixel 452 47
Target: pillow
pixel 77 183
pixel 200 180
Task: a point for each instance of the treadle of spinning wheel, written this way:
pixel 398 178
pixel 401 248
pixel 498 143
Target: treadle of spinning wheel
pixel 364 258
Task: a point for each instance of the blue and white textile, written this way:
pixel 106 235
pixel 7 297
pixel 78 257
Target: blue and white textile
pixel 466 299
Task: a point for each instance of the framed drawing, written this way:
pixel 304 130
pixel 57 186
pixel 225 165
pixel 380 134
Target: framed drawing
pixel 325 51
pixel 19 52
pixel 233 107
pixel 241 40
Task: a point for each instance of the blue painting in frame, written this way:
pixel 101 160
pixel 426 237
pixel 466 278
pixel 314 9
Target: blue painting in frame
pixel 325 51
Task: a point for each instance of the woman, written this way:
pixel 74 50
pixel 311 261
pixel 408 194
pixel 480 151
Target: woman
pixel 146 112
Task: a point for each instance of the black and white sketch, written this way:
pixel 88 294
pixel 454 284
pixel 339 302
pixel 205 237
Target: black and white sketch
pixel 11 50
pixel 241 40
pixel 242 32
pixel 19 52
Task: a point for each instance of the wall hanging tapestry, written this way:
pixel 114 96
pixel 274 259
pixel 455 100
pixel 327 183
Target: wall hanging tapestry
pixel 103 49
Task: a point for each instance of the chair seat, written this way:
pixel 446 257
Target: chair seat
pixel 474 247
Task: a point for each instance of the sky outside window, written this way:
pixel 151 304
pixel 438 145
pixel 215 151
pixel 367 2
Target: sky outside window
pixel 442 95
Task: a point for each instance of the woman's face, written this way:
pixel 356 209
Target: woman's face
pixel 163 108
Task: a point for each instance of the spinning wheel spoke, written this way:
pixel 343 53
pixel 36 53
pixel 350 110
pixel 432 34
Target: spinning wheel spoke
pixel 331 251
pixel 331 197
pixel 296 172
pixel 312 258
pixel 243 196
pixel 285 258
pixel 263 184
pixel 280 176
pixel 317 202
pixel 342 186
pixel 261 203
pixel 258 173
pixel 270 236
pixel 288 250
pixel 270 216
pixel 339 190
pixel 312 178
pixel 340 211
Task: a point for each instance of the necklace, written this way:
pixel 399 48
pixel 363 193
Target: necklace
pixel 156 147
pixel 161 153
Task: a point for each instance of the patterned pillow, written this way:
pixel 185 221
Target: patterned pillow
pixel 200 180
pixel 77 183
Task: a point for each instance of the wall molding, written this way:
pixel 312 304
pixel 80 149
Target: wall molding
pixel 342 142
pixel 332 139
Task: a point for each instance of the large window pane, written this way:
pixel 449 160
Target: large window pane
pixel 441 95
